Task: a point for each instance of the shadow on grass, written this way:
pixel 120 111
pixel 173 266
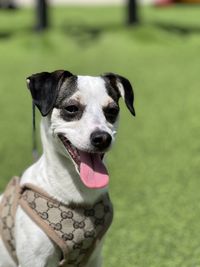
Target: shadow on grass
pixel 86 33
pixel 182 30
pixel 5 35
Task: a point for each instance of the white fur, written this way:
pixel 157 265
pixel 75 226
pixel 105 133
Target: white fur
pixel 55 173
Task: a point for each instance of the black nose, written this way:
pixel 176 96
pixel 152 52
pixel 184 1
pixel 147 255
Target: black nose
pixel 100 139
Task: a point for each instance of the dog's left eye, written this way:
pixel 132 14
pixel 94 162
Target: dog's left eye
pixel 71 109
pixel 111 113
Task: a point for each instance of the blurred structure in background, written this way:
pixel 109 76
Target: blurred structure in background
pixel 42 15
pixel 168 2
pixel 42 21
pixel 7 4
pixel 132 12
pixel 92 2
pixel 73 2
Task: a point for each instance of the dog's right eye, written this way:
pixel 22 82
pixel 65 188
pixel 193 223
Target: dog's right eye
pixel 71 109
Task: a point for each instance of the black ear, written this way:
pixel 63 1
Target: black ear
pixel 124 88
pixel 44 88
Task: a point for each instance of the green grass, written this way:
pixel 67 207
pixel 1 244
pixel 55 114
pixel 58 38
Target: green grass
pixel 155 164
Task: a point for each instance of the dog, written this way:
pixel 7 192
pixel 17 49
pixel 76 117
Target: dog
pixel 79 122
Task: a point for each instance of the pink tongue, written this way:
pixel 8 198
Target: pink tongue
pixel 92 171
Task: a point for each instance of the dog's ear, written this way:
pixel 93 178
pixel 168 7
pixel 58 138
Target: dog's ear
pixel 124 88
pixel 44 88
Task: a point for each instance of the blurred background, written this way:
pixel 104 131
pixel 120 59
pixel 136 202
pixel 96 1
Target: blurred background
pixel 155 163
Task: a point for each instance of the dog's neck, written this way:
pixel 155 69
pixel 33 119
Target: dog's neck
pixel 56 174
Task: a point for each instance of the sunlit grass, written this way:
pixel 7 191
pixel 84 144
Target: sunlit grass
pixel 154 165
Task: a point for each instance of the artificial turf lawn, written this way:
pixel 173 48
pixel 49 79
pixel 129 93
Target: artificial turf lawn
pixel 154 165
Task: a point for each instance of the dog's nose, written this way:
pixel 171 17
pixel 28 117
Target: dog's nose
pixel 100 139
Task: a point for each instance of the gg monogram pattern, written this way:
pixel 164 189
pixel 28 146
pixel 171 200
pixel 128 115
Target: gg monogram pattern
pixel 7 216
pixel 75 229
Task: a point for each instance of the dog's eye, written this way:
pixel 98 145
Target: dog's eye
pixel 72 109
pixel 111 113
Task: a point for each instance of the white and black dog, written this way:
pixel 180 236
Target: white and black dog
pixel 80 115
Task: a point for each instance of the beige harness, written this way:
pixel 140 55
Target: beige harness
pixel 76 230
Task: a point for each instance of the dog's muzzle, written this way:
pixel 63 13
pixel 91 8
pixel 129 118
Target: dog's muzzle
pixel 89 164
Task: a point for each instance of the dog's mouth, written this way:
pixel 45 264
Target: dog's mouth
pixel 90 166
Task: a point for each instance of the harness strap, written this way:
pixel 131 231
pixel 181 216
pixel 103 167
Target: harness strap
pixel 29 195
pixel 75 229
pixel 8 208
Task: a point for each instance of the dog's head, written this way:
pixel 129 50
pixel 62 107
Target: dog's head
pixel 83 113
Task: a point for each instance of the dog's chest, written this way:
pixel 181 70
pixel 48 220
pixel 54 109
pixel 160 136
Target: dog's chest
pixel 75 229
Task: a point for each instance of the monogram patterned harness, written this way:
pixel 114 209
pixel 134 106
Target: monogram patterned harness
pixel 75 229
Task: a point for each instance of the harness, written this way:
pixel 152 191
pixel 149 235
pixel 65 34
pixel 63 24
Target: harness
pixel 75 229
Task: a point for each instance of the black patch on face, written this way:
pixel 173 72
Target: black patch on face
pixel 72 110
pixel 112 88
pixel 127 87
pixel 111 112
pixel 68 88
